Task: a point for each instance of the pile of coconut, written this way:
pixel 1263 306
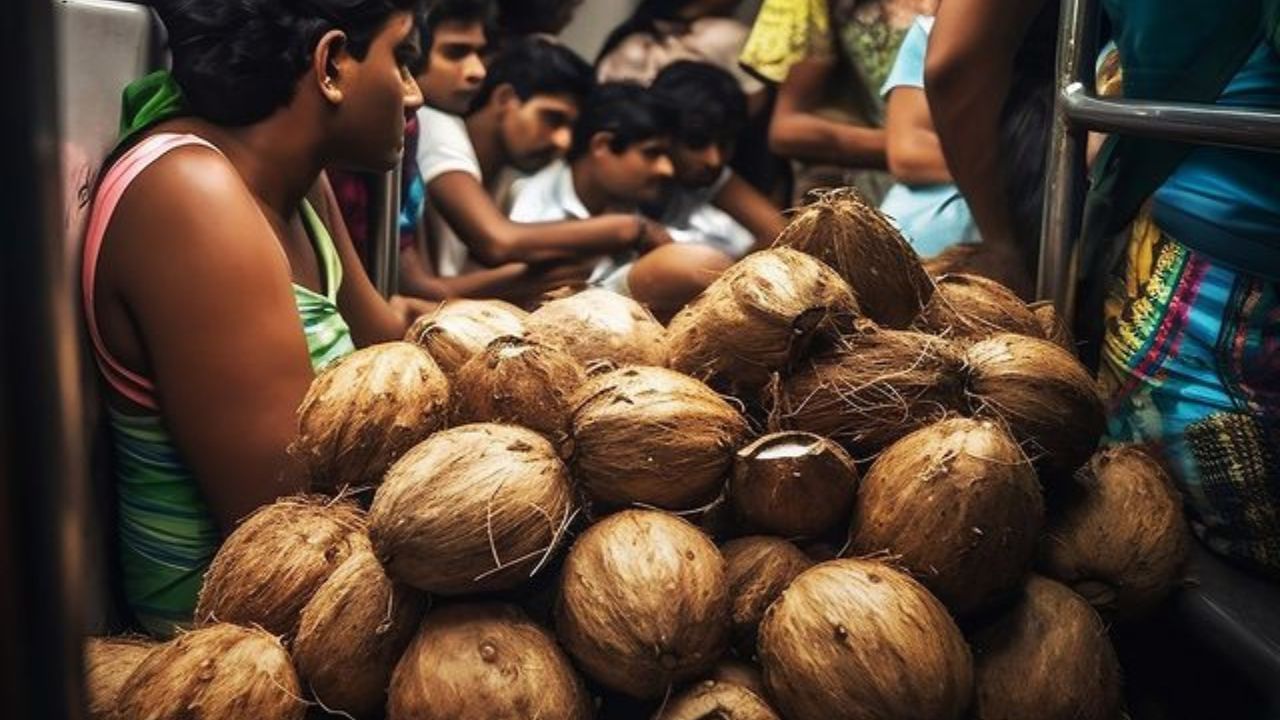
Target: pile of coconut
pixel 832 487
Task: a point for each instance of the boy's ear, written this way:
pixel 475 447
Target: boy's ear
pixel 505 94
pixel 331 64
pixel 601 142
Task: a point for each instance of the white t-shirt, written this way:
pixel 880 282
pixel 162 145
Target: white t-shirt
pixel 690 216
pixel 445 147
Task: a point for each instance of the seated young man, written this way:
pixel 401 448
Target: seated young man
pixel 619 160
pixel 521 118
pixel 709 203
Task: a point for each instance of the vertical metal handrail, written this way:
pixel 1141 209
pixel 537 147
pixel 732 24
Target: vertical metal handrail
pixel 384 233
pixel 1064 184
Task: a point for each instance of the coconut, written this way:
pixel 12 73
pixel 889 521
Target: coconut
pixel 1053 326
pixel 459 329
pixel 1048 658
pixel 643 602
pixel 1120 539
pixel 1044 394
pixel 758 568
pixel 216 672
pixel 793 484
pixel 482 661
pixel 653 436
pixel 518 381
pixel 365 411
pixel 737 672
pixel 971 307
pixel 475 508
pixel 759 317
pixel 711 700
pixel 859 640
pixel 959 505
pixel 597 325
pixel 351 634
pixel 108 663
pixel 843 231
pixel 267 570
pixel 881 385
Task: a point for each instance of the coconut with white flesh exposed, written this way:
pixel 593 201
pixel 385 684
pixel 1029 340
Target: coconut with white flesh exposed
pixel 793 484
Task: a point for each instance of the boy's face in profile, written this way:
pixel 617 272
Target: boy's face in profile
pixel 638 173
pixel 698 164
pixel 454 69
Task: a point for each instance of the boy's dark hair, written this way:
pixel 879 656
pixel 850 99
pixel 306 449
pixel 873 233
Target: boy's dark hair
pixel 238 62
pixel 520 18
pixel 709 105
pixel 440 12
pixel 632 113
pixel 536 66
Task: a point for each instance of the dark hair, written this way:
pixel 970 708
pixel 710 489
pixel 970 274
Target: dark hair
pixel 238 61
pixel 440 12
pixel 631 112
pixel 519 18
pixel 536 66
pixel 709 105
pixel 642 20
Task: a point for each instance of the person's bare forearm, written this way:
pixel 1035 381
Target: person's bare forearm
pixel 917 159
pixel 811 138
pixel 968 71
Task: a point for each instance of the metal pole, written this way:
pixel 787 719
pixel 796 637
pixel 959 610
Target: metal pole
pixel 1247 128
pixel 43 478
pixel 384 233
pixel 1065 177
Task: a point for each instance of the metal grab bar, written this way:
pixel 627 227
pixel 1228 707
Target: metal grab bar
pixel 384 233
pixel 1247 128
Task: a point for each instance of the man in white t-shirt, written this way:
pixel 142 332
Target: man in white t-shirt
pixel 620 159
pixel 522 118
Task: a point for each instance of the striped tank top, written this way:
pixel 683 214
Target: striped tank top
pixel 167 536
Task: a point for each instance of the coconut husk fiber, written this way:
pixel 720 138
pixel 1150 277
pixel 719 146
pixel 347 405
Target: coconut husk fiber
pixel 476 508
pixel 521 382
pixel 760 316
pixel 859 242
pixel 108 663
pixel 352 633
pixel 1045 396
pixel 958 505
pixel 598 325
pixel 758 568
pixel 365 411
pixel 970 307
pixel 461 328
pixel 653 436
pixel 1047 658
pixel 1053 326
pixel 859 640
pixel 793 484
pixel 1119 538
pixel 481 661
pixel 722 701
pixel 271 565
pixel 213 673
pixel 877 387
pixel 640 621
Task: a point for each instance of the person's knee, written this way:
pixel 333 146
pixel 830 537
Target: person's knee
pixel 669 277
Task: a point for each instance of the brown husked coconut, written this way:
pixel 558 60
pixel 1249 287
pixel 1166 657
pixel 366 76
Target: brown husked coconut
pixel 482 661
pixel 598 325
pixel 653 436
pixel 759 317
pixel 352 633
pixel 971 307
pixel 859 640
pixel 793 484
pixel 959 506
pixel 1120 539
pixel 711 700
pixel 644 603
pixel 843 231
pixel 1047 658
pixel 475 508
pixel 1044 394
pixel 108 663
pixel 758 568
pixel 1053 326
pixel 737 672
pixel 214 673
pixel 881 385
pixel 267 570
pixel 459 329
pixel 365 411
pixel 518 381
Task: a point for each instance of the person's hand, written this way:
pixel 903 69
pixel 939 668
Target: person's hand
pixel 561 277
pixel 409 309
pixel 651 235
